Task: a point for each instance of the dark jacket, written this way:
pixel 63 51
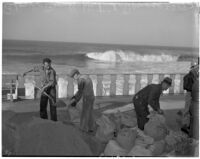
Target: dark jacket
pixel 149 95
pixel 85 88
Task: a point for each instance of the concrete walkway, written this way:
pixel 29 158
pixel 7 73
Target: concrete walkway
pixel 166 102
pixel 170 104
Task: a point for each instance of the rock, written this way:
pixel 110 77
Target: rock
pixel 114 149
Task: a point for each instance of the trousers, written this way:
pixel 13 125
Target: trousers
pixel 142 111
pixel 44 102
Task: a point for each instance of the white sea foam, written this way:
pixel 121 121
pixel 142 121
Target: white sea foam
pixel 120 56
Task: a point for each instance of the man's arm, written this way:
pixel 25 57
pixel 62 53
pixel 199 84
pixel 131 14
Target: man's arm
pixel 52 80
pixel 35 69
pixel 79 93
pixel 153 99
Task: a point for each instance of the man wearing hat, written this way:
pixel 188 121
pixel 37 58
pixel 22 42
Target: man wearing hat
pixel 149 95
pixel 188 81
pixel 85 91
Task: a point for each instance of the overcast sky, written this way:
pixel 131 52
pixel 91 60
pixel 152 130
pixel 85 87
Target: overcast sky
pixel 166 25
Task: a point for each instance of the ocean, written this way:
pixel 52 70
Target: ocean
pixel 19 56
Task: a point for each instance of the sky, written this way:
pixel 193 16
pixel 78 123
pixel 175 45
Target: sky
pixel 112 23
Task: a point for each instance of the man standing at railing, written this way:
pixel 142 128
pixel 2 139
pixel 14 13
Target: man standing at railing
pixel 85 91
pixel 48 77
pixel 188 82
pixel 149 95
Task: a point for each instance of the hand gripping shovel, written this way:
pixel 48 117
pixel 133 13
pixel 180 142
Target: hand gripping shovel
pixel 59 103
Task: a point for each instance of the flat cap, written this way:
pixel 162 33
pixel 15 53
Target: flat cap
pixel 167 80
pixel 73 72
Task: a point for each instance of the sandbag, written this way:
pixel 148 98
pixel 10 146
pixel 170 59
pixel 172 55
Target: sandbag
pixel 106 128
pixel 126 138
pixel 116 119
pixel 177 141
pixel 128 120
pixel 146 139
pixel 157 148
pixel 139 151
pixel 156 127
pixel 183 120
pixel 74 114
pixel 114 149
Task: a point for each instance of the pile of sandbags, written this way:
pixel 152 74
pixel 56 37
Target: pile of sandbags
pixel 177 141
pixel 126 138
pixel 183 119
pixel 156 139
pixel 156 127
pixel 124 119
pixel 106 128
pixel 114 149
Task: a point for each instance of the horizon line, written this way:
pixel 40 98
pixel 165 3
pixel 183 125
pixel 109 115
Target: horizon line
pixel 137 45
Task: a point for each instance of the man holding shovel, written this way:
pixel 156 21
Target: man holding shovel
pixel 85 91
pixel 48 78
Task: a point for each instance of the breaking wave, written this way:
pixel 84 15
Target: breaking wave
pixel 120 56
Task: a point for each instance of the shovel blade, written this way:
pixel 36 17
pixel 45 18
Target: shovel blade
pixel 60 103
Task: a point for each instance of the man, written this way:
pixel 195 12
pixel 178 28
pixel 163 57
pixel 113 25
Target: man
pixel 149 95
pixel 188 82
pixel 194 111
pixel 85 91
pixel 48 83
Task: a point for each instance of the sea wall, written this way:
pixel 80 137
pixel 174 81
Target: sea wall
pixel 104 84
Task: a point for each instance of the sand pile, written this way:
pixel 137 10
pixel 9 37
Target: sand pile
pixel 36 137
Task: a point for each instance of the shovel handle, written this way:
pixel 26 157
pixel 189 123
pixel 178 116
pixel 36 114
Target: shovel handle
pixel 45 94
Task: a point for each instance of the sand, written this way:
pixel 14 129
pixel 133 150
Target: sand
pixel 32 136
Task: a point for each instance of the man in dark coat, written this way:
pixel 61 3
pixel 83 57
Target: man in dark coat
pixel 85 91
pixel 48 85
pixel 149 95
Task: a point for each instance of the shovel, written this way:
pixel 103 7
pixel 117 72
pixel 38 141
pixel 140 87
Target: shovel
pixel 59 103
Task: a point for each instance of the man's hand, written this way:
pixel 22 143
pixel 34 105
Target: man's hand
pixel 72 102
pixel 24 74
pixel 43 89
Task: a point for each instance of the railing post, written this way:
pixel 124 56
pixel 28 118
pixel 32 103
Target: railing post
pixel 132 81
pixel 149 78
pixel 161 77
pixel 171 89
pixel 113 85
pixel 126 85
pixel 99 85
pixel 38 84
pixel 137 84
pixel 181 83
pixel 106 85
pixel 70 87
pixel 62 86
pixel 29 87
pixel 94 82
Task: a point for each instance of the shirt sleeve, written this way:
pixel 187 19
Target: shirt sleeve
pixel 37 68
pixel 154 97
pixel 79 93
